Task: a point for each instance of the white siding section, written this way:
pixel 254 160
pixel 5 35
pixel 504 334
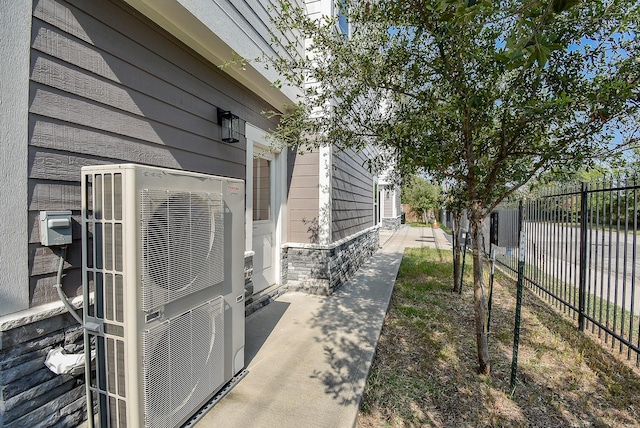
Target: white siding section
pixel 15 34
pixel 325 213
pixel 251 133
pixel 317 8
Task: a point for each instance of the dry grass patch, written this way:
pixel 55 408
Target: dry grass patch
pixel 424 373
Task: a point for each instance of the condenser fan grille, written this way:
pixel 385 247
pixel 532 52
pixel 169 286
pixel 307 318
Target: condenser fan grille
pixel 181 363
pixel 182 244
pixel 166 322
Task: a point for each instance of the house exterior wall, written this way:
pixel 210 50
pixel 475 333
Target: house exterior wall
pixel 322 269
pixel 112 81
pixel 388 204
pixel 332 233
pixel 352 190
pixel 306 220
pixel 391 205
pixel 216 30
pixel 390 195
pixel 95 82
pixel 107 88
pixel 335 224
pixel 303 197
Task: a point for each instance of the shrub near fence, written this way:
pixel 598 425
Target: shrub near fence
pixel 582 255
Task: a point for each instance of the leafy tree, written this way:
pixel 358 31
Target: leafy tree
pixel 421 196
pixel 632 161
pixel 484 93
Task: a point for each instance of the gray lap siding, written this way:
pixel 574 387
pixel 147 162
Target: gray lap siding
pixel 352 194
pixel 109 86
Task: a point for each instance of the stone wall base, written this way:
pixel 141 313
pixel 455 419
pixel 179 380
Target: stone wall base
pixel 30 394
pixel 322 269
pixel 392 223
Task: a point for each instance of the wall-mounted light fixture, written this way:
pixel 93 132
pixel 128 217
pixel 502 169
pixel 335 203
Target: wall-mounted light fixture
pixel 230 124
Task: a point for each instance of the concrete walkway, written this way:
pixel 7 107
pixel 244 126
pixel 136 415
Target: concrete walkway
pixel 308 357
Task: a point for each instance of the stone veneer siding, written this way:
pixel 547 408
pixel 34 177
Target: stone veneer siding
pixel 392 223
pixel 322 269
pixel 30 394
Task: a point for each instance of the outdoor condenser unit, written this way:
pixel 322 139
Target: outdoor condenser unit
pixel 163 258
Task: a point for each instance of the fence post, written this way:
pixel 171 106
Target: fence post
pixel 520 216
pixel 516 327
pixel 582 292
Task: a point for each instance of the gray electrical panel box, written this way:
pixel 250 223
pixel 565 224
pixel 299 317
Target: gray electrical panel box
pixel 55 228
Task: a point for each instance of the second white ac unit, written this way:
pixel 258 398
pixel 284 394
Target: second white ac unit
pixel 163 257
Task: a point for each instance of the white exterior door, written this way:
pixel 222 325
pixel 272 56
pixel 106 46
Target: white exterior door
pixel 266 178
pixel 263 221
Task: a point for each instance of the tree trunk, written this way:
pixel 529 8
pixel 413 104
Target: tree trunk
pixel 457 269
pixel 479 297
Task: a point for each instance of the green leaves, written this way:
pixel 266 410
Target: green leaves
pixel 559 6
pixel 421 195
pixel 482 94
pixel 486 94
pixel 539 53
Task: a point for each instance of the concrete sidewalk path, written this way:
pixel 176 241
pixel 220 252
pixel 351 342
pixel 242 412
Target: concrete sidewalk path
pixel 308 356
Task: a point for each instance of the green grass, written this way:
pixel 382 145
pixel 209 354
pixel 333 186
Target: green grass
pixel 419 224
pixel 444 228
pixel 424 372
pixel 422 224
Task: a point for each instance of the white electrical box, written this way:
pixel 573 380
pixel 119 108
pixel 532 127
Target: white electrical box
pixel 55 228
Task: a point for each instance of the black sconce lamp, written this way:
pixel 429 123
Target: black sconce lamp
pixel 230 124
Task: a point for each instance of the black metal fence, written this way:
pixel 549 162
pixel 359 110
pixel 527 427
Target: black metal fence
pixel 581 254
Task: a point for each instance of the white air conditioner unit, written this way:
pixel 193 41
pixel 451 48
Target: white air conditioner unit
pixel 163 256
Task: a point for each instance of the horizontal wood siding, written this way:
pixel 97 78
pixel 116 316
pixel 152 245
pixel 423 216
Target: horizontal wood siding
pixel 109 86
pixel 352 195
pixel 302 197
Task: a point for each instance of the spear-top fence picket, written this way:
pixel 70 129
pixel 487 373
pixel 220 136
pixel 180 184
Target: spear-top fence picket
pixel 582 254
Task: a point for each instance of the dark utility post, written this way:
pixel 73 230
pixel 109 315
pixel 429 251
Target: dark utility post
pixel 491 278
pixel 582 292
pixel 516 328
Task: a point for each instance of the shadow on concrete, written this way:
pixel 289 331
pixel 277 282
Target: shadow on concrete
pixel 349 324
pixel 259 327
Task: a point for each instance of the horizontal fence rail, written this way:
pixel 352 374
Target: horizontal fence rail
pixel 581 254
